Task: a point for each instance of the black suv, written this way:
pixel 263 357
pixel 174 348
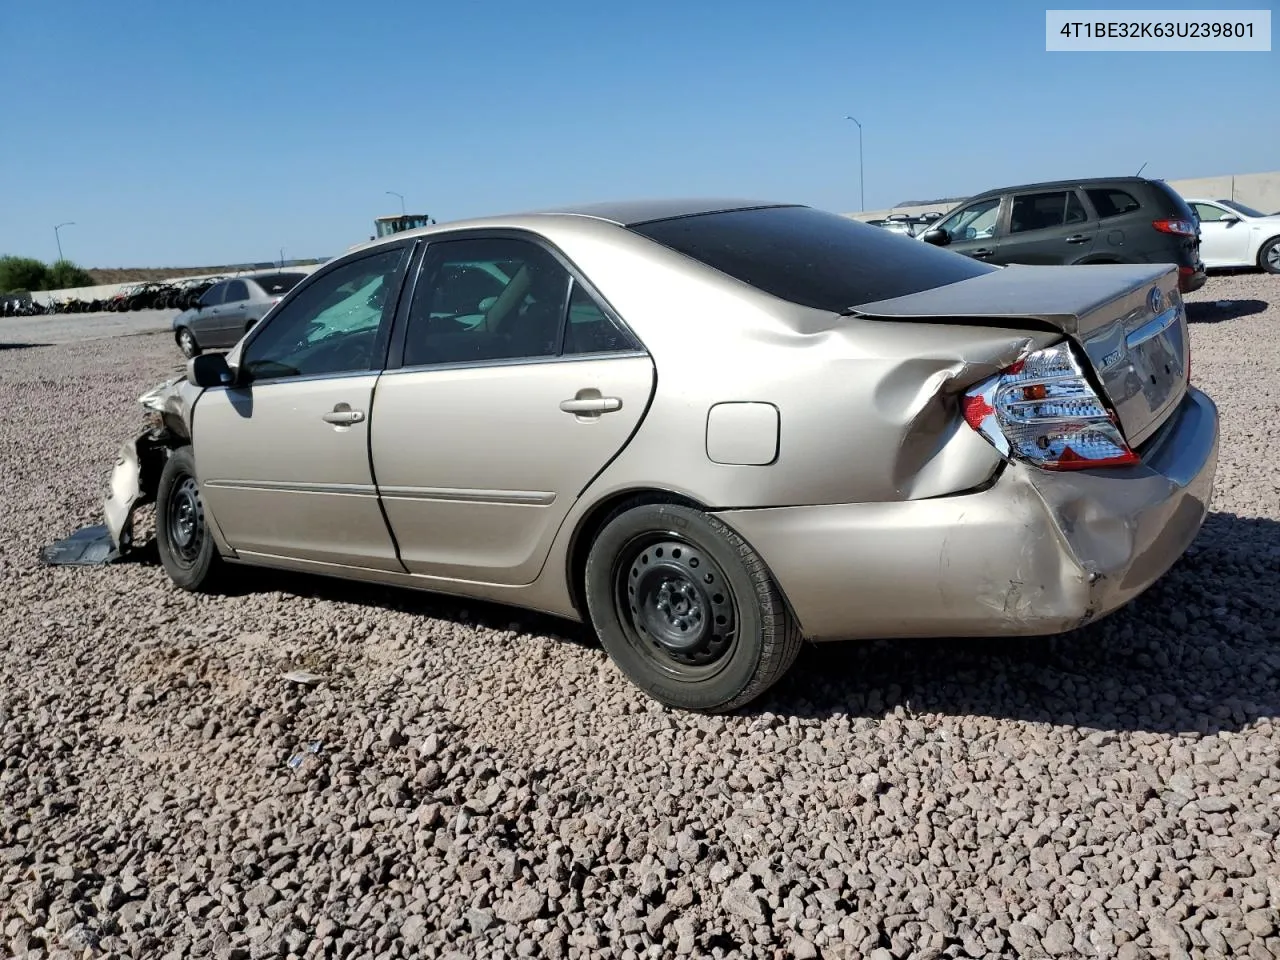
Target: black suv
pixel 1104 220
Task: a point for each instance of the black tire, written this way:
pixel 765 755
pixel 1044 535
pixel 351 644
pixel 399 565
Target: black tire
pixel 686 609
pixel 186 546
pixel 187 342
pixel 1269 256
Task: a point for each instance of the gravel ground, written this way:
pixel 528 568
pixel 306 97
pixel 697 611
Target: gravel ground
pixel 474 782
pixel 77 327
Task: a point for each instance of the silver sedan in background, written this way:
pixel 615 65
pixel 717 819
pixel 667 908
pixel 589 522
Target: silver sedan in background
pixel 228 309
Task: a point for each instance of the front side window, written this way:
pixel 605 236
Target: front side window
pixel 975 222
pixel 486 299
pixel 332 325
pixel 1208 212
pixel 213 296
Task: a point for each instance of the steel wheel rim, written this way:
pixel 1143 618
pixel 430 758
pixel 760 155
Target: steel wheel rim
pixel 1273 255
pixel 184 522
pixel 187 342
pixel 676 606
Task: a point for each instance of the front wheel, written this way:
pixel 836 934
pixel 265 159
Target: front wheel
pixel 187 343
pixel 186 547
pixel 686 609
pixel 1269 256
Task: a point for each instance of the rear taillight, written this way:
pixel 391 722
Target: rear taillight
pixel 1182 228
pixel 1043 410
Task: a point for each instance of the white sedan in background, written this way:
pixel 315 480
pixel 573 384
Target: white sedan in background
pixel 1234 235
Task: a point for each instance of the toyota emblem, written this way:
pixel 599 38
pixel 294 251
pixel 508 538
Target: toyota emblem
pixel 1154 300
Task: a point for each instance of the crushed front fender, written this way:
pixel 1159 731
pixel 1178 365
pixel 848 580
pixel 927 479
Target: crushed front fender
pixel 134 481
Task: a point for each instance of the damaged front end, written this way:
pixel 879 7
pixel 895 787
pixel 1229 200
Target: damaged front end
pixel 134 479
pixel 136 475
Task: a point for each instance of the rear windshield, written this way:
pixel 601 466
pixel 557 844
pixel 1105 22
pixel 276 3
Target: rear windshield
pixel 811 257
pixel 278 282
pixel 1177 207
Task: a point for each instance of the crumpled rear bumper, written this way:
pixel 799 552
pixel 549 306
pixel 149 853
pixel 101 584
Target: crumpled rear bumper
pixel 1035 553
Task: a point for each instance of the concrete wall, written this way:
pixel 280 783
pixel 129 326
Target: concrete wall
pixel 1258 190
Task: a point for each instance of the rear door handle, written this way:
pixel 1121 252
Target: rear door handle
pixel 342 415
pixel 1077 238
pixel 591 405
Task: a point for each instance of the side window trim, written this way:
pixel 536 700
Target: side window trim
pixel 382 338
pixel 400 328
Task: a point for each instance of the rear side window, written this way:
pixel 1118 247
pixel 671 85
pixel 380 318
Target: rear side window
pixel 811 257
pixel 1112 203
pixel 1043 211
pixel 1174 207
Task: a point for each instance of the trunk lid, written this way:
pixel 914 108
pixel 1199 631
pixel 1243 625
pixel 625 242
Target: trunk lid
pixel 1128 320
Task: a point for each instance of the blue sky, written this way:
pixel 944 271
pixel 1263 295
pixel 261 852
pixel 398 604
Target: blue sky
pixel 190 134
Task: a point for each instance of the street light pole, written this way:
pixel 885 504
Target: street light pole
pixel 862 194
pixel 401 196
pixel 58 237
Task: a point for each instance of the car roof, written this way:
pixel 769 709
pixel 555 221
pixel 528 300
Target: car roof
pixel 1064 184
pixel 623 213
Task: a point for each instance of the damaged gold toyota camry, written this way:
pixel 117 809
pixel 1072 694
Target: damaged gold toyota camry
pixel 711 430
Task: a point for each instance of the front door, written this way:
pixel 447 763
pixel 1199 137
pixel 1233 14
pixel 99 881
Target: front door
pixel 283 460
pixel 1224 238
pixel 231 315
pixel 507 403
pixel 206 324
pixel 973 230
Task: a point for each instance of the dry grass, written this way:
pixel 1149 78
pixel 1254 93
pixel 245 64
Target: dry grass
pixel 103 275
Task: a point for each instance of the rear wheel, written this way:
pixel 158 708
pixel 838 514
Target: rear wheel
pixel 187 343
pixel 1269 256
pixel 186 547
pixel 686 609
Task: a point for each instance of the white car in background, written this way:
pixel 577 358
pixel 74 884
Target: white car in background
pixel 1234 235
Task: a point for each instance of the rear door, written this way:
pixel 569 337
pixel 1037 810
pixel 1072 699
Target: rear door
pixel 1048 227
pixel 511 385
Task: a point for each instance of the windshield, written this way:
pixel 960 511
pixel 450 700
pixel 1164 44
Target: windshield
pixel 811 257
pixel 1241 208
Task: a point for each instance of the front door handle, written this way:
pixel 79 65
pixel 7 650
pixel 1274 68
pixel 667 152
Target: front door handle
pixel 582 405
pixel 1077 238
pixel 342 415
pixel 981 252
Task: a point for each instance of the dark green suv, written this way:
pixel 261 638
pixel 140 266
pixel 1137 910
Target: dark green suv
pixel 1103 220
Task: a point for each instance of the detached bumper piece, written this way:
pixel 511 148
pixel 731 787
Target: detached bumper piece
pixel 87 547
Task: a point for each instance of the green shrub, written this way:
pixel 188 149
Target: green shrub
pixel 64 274
pixel 22 273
